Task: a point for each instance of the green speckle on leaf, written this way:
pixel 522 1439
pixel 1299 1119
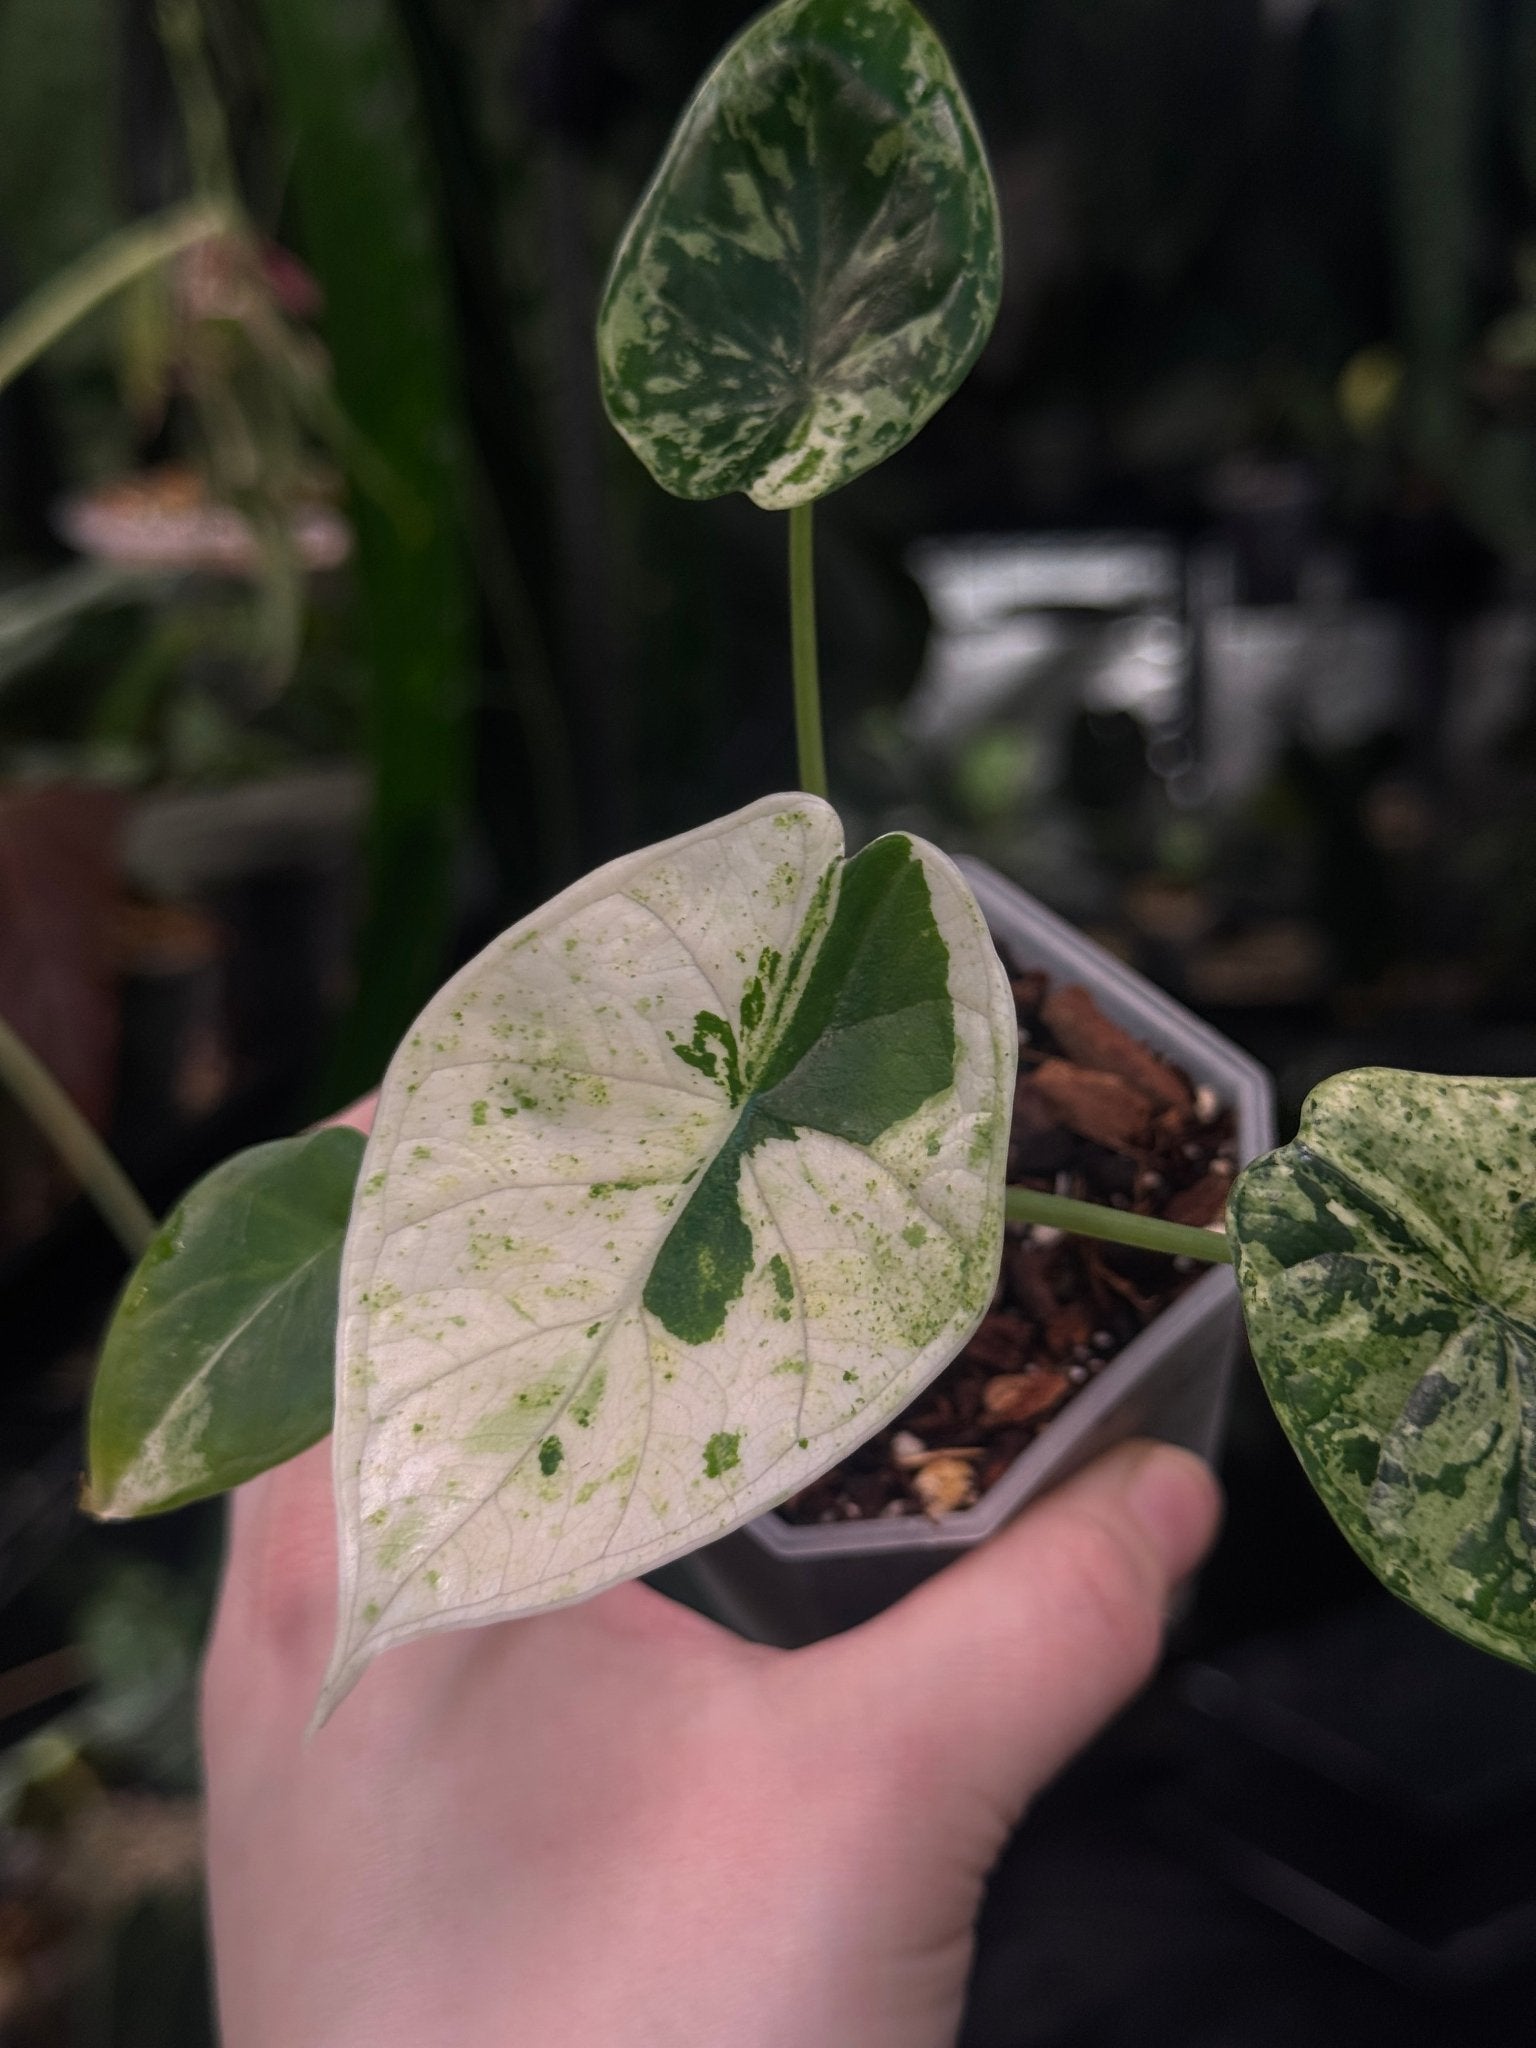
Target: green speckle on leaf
pixel 713 1040
pixel 585 1404
pixel 477 1113
pixel 550 1454
pixel 721 1453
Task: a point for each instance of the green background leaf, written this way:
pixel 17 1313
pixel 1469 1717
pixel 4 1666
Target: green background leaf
pixel 220 1360
pixel 347 91
pixel 1387 1261
pixel 675 1194
pixel 814 267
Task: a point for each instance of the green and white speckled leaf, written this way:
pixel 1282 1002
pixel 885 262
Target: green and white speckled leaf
pixel 815 264
pixel 1387 1261
pixel 679 1191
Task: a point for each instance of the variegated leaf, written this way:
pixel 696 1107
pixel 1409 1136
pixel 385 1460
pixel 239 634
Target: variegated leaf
pixel 1387 1261
pixel 815 265
pixel 675 1194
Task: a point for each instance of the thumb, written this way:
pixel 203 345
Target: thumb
pixel 1014 1657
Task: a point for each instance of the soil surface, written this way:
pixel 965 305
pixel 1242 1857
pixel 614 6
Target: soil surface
pixel 1099 1116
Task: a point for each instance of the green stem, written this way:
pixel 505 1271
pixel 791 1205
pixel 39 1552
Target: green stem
pixel 76 1143
pixel 809 743
pixel 83 285
pixel 1118 1226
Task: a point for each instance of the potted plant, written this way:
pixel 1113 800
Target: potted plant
pixel 787 1584
pixel 695 1177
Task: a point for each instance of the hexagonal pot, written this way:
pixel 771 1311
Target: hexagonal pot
pixel 777 1583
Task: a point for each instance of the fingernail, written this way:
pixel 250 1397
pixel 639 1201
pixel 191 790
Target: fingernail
pixel 1174 1497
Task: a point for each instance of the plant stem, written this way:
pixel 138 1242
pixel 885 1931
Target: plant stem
pixel 1118 1226
pixel 84 284
pixel 76 1143
pixel 809 744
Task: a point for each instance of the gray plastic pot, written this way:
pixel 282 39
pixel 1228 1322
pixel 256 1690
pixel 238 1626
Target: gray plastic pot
pixel 776 1583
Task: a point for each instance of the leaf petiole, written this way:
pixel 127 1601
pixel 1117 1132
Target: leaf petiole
pixel 1117 1226
pixel 809 743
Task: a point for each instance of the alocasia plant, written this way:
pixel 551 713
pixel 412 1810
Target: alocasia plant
pixel 690 1182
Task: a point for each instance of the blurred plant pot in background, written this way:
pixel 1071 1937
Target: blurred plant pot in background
pixel 789 1585
pixel 275 863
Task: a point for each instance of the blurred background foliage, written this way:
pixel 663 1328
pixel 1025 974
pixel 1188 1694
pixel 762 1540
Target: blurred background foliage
pixel 337 630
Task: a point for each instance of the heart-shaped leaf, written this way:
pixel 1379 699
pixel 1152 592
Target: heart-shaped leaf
pixel 220 1359
pixel 675 1194
pixel 1387 1261
pixel 815 264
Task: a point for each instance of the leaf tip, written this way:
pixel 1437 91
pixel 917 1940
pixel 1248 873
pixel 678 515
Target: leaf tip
pixel 349 1660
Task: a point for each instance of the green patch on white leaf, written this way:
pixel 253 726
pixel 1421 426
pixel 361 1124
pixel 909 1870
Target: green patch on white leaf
pixel 1387 1261
pixel 219 1361
pixel 815 265
pixel 750 1202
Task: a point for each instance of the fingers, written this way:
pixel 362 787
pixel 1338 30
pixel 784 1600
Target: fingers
pixel 359 1117
pixel 1015 1656
pixel 277 1608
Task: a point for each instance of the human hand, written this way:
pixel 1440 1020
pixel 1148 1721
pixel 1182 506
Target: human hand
pixel 618 1824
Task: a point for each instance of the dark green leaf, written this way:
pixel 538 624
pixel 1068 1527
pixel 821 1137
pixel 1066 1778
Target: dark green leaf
pixel 1387 1261
pixel 815 265
pixel 220 1360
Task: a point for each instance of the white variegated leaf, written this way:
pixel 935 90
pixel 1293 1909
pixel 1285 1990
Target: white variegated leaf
pixel 678 1192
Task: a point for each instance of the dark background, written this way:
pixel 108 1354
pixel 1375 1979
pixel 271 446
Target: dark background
pixel 1270 310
